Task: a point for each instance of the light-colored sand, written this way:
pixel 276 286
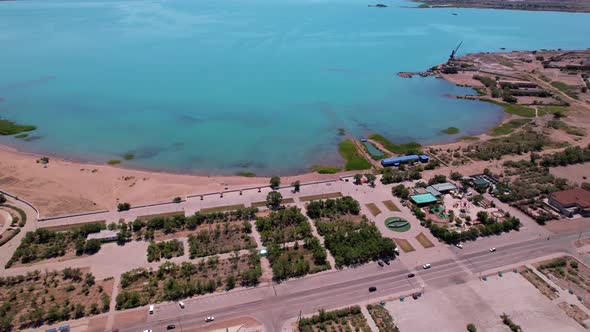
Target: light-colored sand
pixel 65 187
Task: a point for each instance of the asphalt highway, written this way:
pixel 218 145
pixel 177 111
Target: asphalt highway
pixel 273 305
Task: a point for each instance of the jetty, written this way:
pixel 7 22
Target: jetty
pixel 410 74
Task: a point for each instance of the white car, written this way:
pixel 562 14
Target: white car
pixel 459 245
pixel 209 319
pixel 426 266
pixel 492 249
pixel 181 304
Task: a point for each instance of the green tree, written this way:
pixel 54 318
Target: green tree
pixel 358 178
pixel 230 282
pixel 275 182
pixel 471 327
pixel 123 206
pixel 456 176
pixel 371 178
pixel 2 199
pixel 296 186
pixel 274 199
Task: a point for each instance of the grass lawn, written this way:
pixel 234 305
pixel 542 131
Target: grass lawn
pixel 552 110
pixel 325 169
pixel 374 209
pixel 353 159
pixel 264 203
pixel 161 215
pixel 469 138
pixel 450 131
pixel 62 228
pixel 319 197
pixel 519 110
pixel 424 241
pixel 247 174
pixel 408 148
pixel 404 245
pixel 569 90
pixel 222 208
pixel 391 206
pixel 515 109
pixel 10 128
pixel 508 127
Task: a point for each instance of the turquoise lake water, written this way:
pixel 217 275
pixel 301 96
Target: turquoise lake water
pixel 262 86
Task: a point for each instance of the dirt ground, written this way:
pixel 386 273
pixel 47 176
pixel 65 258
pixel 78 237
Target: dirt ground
pixel 568 225
pixel 482 303
pixel 539 283
pixel 569 277
pixel 577 173
pixel 574 312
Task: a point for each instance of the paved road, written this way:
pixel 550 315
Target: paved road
pixel 275 305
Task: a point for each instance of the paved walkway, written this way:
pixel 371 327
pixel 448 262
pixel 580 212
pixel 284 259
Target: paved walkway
pixel 113 305
pixel 369 319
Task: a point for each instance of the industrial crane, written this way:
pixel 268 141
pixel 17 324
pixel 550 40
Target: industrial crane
pixel 454 52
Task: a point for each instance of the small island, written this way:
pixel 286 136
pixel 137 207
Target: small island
pixel 450 131
pixel 8 127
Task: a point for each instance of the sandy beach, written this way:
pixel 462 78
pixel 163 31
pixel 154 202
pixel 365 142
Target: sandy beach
pixel 65 187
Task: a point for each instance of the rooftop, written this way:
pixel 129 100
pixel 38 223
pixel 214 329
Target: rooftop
pixel 577 196
pixel 105 234
pixel 433 191
pixel 423 198
pixel 445 186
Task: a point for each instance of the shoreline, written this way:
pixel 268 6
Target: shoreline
pixel 66 186
pixel 63 187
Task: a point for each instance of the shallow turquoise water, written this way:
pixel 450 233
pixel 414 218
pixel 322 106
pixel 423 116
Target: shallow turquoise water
pixel 373 151
pixel 260 86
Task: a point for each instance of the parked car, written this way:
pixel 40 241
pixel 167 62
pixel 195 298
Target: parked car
pixel 372 289
pixel 170 327
pixel 459 245
pixel 151 309
pixel 380 263
pixel 387 261
pixel 181 305
pixel 426 266
pixel 492 249
pixel 411 275
pixel 209 319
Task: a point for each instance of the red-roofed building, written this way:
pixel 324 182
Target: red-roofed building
pixel 572 201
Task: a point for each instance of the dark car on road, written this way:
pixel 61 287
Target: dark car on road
pixel 170 327
pixel 372 289
pixel 387 261
pixel 380 263
pixel 411 275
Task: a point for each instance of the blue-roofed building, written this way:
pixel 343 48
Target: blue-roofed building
pixel 423 199
pixel 424 158
pixel 65 328
pixel 396 161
